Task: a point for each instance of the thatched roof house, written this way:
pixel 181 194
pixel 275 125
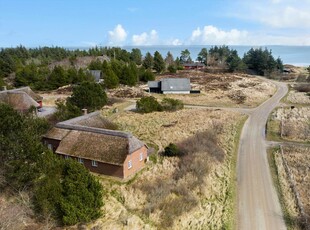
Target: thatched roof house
pixel 21 99
pixel 101 150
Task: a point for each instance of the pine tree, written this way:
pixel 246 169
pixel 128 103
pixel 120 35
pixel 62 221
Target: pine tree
pixel 159 64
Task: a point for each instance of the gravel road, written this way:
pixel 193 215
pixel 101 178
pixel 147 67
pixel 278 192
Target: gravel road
pixel 258 203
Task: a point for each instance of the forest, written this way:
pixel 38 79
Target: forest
pixel 35 67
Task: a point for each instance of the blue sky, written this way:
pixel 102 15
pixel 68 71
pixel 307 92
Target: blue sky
pixel 154 22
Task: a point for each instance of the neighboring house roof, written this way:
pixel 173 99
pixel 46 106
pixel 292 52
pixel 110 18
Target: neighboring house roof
pixel 27 90
pixel 195 64
pixel 80 140
pixel 20 99
pixel 153 84
pixel 96 74
pixel 175 84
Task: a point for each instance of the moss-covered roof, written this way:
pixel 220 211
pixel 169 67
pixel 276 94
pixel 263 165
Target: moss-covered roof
pixel 104 148
pixel 20 99
pixel 56 133
pixel 80 137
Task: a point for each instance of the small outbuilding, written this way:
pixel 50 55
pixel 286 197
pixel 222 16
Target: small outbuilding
pixel 170 86
pixel 97 74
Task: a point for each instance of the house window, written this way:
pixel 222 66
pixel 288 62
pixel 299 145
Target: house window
pixel 80 160
pixel 129 164
pixel 94 163
pixel 49 146
pixel 66 157
pixel 141 157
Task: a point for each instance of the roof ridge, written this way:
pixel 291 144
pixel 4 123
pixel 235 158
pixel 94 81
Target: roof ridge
pixel 93 130
pixel 80 118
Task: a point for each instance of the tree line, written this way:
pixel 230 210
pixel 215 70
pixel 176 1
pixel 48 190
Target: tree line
pixel 125 67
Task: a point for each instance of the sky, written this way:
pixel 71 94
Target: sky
pixel 87 23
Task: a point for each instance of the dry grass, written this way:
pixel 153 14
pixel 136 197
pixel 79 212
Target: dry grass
pixel 191 192
pixel 16 213
pixel 232 90
pixel 297 97
pixel 286 195
pixel 298 160
pixel 295 123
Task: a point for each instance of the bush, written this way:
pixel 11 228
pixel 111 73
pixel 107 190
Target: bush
pixel 147 75
pixel 170 104
pixel 172 69
pixel 82 194
pixel 148 105
pixel 88 95
pixel 305 88
pixel 172 151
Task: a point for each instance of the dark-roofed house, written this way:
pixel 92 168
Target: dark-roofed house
pixel 103 151
pixel 170 86
pixel 195 65
pixel 21 99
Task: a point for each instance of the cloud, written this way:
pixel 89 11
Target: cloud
pixel 212 35
pixel 117 36
pixel 287 17
pixel 145 38
pixel 176 42
pixel 275 14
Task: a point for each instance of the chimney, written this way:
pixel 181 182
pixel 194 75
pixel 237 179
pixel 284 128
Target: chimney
pixel 84 111
pixel 3 88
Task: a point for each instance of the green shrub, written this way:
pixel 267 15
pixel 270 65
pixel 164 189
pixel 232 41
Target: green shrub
pixel 82 194
pixel 147 75
pixel 170 104
pixel 88 95
pixel 172 69
pixel 172 151
pixel 148 105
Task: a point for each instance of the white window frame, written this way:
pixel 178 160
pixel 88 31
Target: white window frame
pixel 141 156
pixel 66 157
pixel 94 163
pixel 80 160
pixel 129 164
pixel 50 146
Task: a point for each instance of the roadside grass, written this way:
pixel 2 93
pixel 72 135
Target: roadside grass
pixel 273 130
pixel 290 220
pixel 232 194
pixel 284 99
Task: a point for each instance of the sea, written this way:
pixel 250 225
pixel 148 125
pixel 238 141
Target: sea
pixel 293 55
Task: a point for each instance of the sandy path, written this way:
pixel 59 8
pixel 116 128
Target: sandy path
pixel 258 204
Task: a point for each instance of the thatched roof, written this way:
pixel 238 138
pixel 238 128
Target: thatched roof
pixel 104 148
pixel 19 100
pixel 79 140
pixel 27 90
pixel 56 133
pixel 90 120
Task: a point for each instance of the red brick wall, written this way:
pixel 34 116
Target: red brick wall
pixel 102 168
pixel 137 164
